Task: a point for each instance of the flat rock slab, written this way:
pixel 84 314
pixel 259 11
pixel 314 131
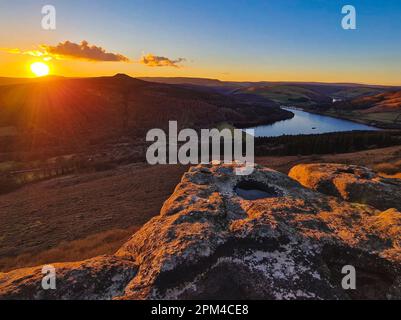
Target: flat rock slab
pixel 211 242
pixel 351 183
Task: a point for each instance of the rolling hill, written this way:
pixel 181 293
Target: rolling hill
pixel 384 102
pixel 378 103
pixel 310 94
pixel 287 94
pixel 301 94
pixel 383 109
pixel 72 112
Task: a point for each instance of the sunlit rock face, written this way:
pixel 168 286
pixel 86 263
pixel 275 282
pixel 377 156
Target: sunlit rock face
pixel 351 183
pixel 278 240
pixel 103 277
pixel 262 236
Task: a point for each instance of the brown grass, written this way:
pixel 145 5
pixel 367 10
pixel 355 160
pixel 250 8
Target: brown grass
pixel 390 157
pixel 97 244
pixel 389 168
pixel 45 215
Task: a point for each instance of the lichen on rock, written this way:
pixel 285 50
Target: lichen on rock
pixel 213 241
pixel 351 183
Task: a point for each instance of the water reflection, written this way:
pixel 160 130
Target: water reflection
pixel 308 123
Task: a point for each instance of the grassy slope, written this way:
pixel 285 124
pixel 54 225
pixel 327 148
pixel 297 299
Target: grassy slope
pixel 382 109
pixel 285 94
pixel 74 113
pixel 45 215
pixel 352 93
pixel 385 120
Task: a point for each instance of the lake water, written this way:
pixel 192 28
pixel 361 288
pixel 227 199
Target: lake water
pixel 308 123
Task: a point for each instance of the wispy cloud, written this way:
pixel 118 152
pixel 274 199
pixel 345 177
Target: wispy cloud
pixel 71 50
pixel 157 61
pixel 68 50
pixel 33 53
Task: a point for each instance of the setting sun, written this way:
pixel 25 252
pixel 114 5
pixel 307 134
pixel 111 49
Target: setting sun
pixel 40 69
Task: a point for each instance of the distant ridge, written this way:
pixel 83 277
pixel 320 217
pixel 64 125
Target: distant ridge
pixel 184 80
pixel 217 82
pixel 199 81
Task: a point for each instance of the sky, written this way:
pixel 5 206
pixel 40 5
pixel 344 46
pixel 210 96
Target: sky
pixel 242 40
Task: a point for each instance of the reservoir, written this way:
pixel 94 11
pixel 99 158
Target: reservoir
pixel 308 123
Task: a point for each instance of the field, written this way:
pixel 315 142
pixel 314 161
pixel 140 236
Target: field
pixel 50 215
pixel 80 216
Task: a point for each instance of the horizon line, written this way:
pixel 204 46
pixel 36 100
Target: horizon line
pixel 204 78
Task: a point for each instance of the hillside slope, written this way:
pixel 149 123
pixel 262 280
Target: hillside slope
pixel 383 109
pixel 302 94
pixel 384 102
pixel 70 112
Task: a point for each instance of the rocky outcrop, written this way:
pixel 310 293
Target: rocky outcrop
pixel 351 183
pixel 219 235
pixel 103 277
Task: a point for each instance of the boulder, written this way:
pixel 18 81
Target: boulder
pixel 351 183
pixel 102 277
pixel 223 236
pixel 262 236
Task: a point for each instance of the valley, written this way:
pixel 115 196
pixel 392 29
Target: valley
pixel 199 150
pixel 308 123
pixel 77 147
pixel 373 105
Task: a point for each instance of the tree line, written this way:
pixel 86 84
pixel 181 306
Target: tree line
pixel 337 142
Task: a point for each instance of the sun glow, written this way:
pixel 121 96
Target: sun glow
pixel 40 69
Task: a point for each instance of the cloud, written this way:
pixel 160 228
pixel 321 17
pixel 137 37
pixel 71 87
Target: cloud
pixel 84 51
pixel 71 50
pixel 33 53
pixel 156 61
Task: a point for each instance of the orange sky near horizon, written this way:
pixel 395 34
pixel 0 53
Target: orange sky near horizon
pixel 19 66
pixel 287 40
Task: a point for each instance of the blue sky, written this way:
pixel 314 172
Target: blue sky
pixel 232 40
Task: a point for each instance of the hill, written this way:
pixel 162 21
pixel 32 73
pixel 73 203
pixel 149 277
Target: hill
pixel 287 94
pixel 71 112
pixel 311 94
pixel 383 109
pixel 186 80
pixel 301 94
pixel 384 102
pixel 389 101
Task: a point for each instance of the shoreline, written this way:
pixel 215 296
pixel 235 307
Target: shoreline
pixel 371 123
pixel 263 123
